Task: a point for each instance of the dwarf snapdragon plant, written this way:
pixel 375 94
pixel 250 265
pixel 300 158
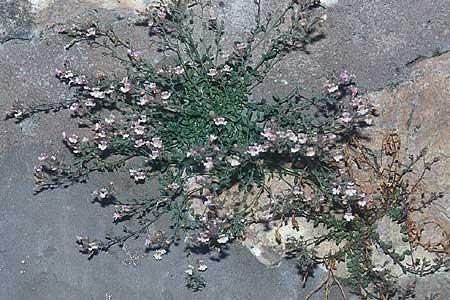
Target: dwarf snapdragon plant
pixel 194 125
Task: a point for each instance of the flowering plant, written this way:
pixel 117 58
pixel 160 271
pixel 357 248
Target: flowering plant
pixel 193 125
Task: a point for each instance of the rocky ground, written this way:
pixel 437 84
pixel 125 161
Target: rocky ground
pixel 384 43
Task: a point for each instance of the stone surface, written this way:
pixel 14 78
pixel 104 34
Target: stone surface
pixel 375 40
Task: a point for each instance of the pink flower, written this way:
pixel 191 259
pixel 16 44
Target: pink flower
pixel 344 77
pixel 269 134
pixel 157 143
pixel 346 118
pixel 139 143
pixel 255 150
pixel 161 15
pixel 117 216
pixel 220 121
pixel 139 130
pixel 354 90
pixel 178 70
pixel 240 47
pixel 208 164
pixel 133 54
pixel 173 186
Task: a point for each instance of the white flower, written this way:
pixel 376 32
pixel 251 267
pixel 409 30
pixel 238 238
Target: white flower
pixel 296 191
pixel 233 160
pixel 73 139
pixel 110 119
pixel 159 253
pixel 362 202
pixel 310 152
pixel 222 239
pixel 212 72
pixel 296 148
pixel 333 88
pixel 102 145
pixel 189 271
pixel 102 194
pixel 338 157
pixel 142 119
pixel 212 138
pixel 154 155
pixel 302 138
pixel 165 95
pixel 74 106
pixel 220 121
pixel 348 217
pixel 240 47
pixel 227 68
pixel 202 267
pixel 90 103
pixel 96 93
pixel 350 190
pixel 137 174
pixel 42 156
pixel 291 136
pixel 90 32
pixel 126 85
pixel 336 190
pixel 143 101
